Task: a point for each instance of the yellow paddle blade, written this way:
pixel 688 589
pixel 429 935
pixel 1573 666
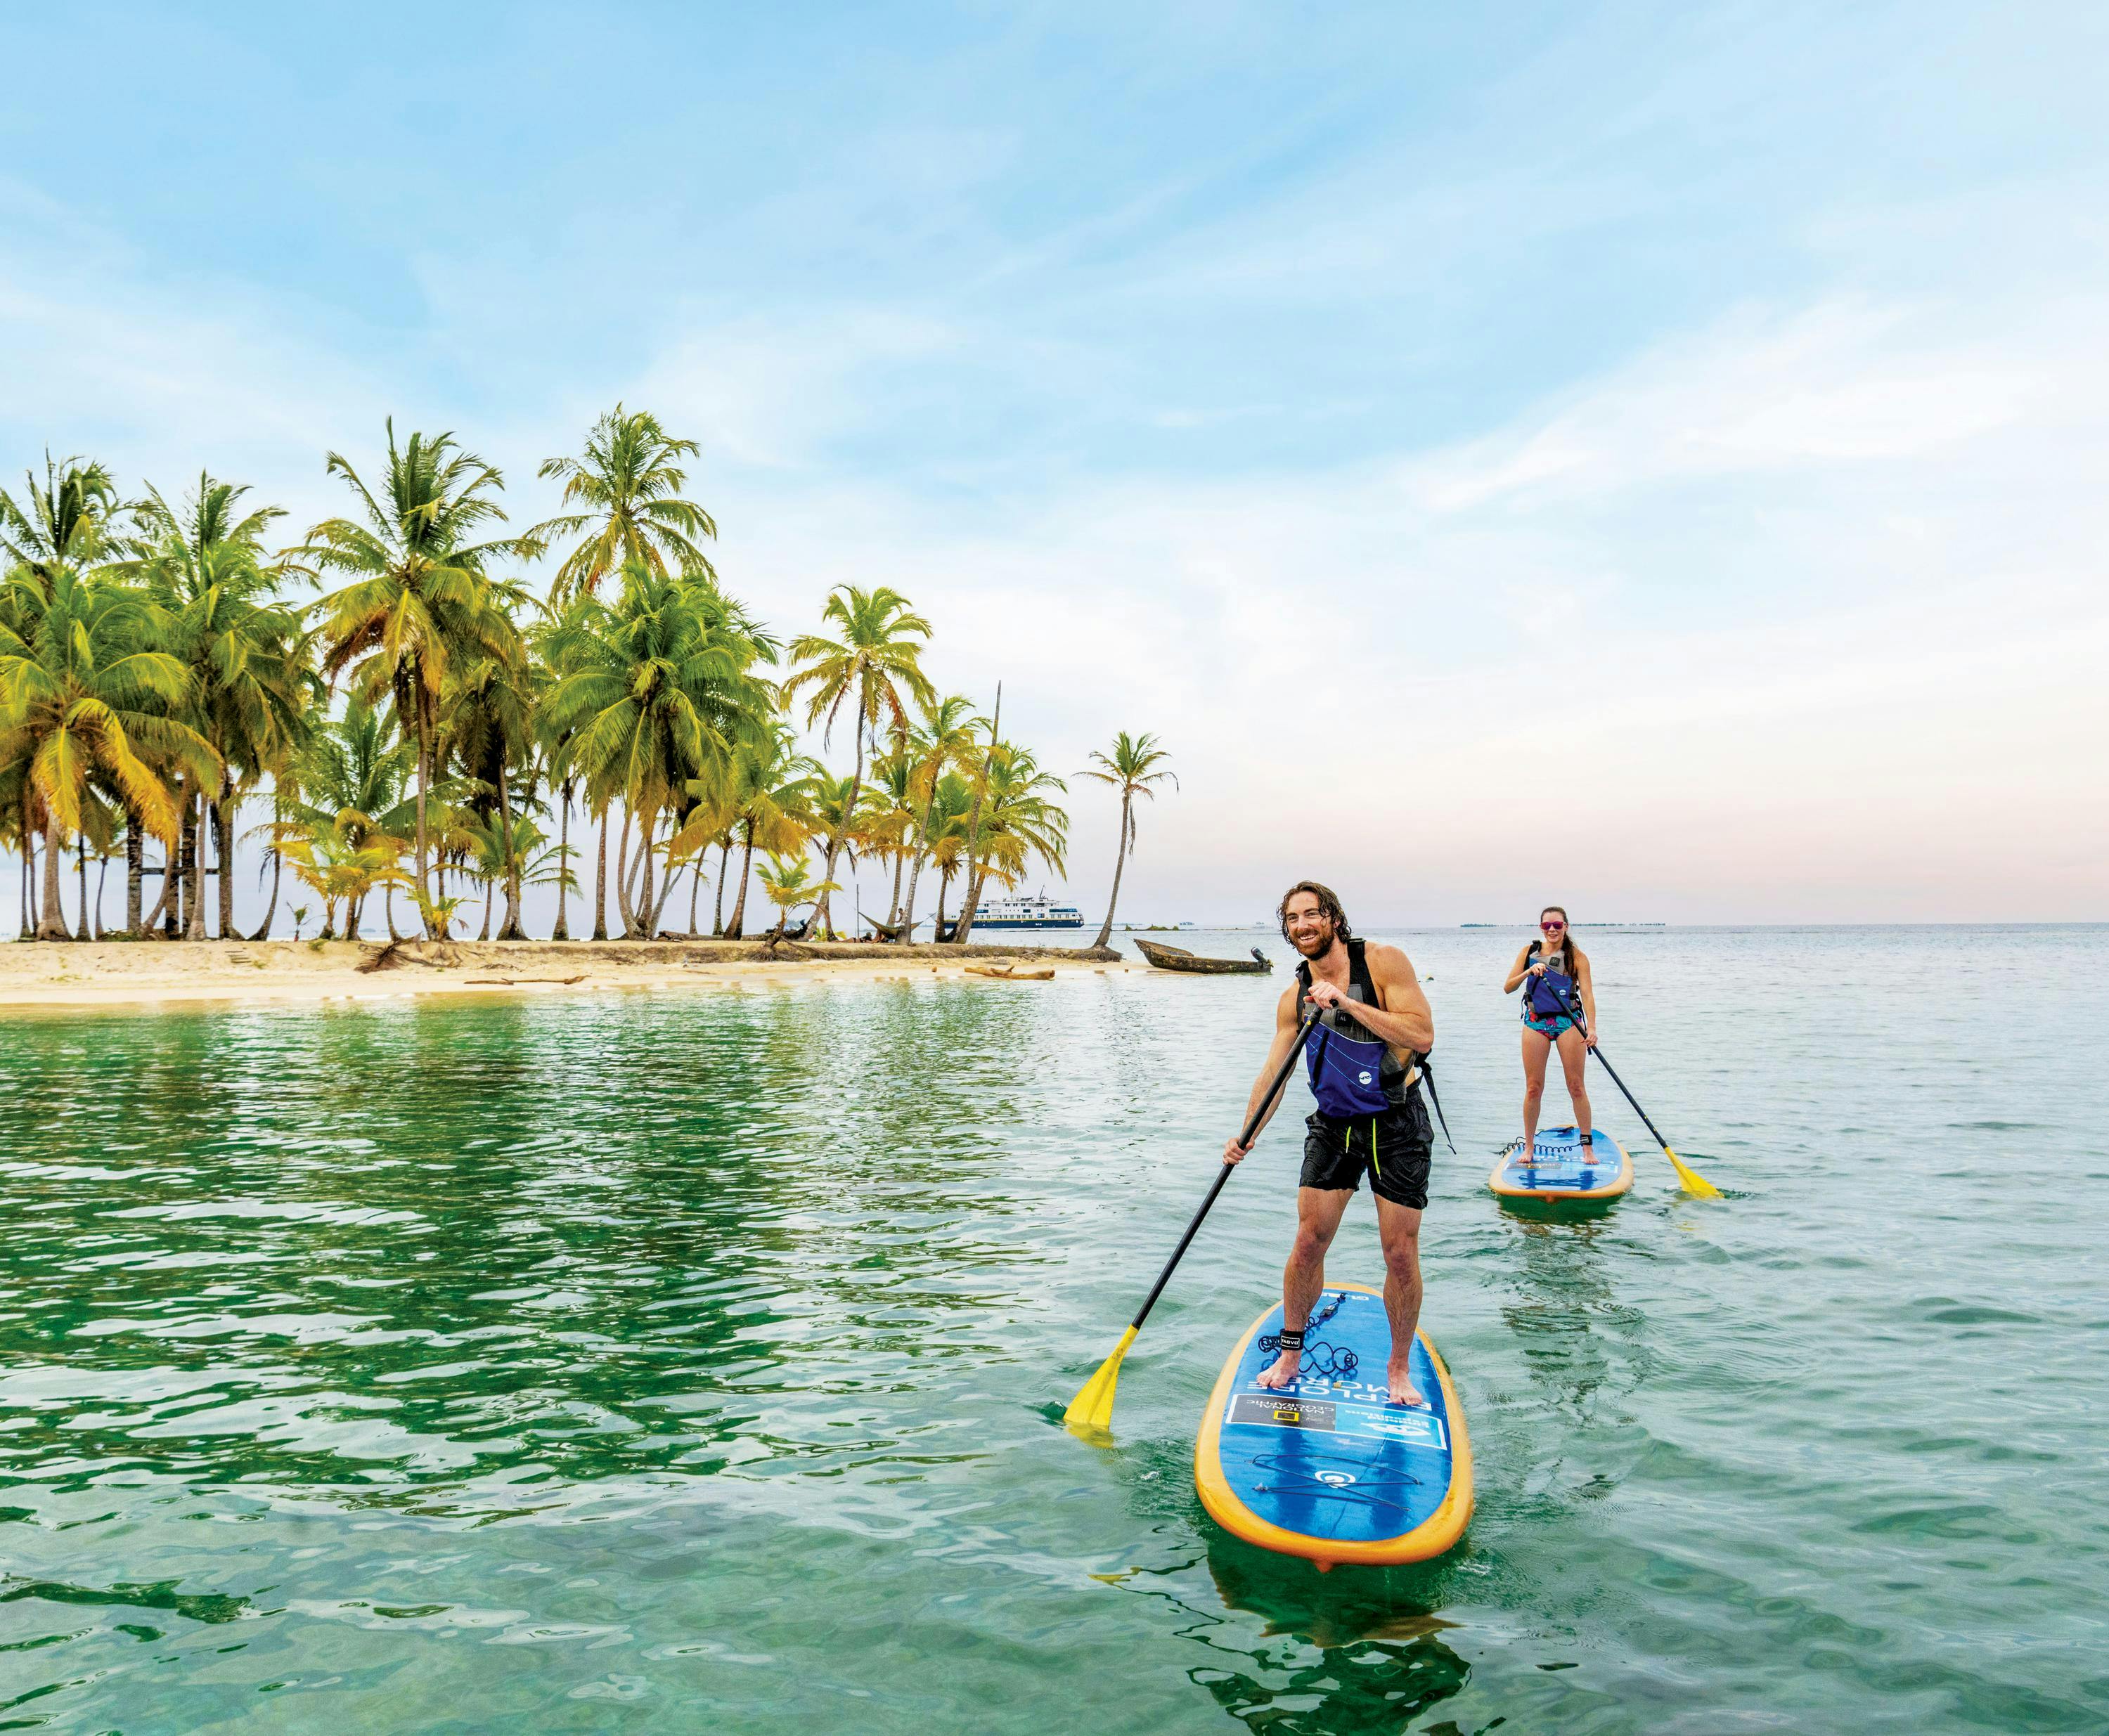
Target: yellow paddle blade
pixel 1694 1182
pixel 1090 1412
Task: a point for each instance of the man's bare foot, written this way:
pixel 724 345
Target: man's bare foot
pixel 1283 1373
pixel 1400 1381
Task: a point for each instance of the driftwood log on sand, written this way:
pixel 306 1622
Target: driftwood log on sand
pixel 441 955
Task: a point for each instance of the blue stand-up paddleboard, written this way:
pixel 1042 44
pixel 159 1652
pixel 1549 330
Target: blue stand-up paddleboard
pixel 1557 1166
pixel 1327 1468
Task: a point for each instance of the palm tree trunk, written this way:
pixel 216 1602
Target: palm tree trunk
pixel 600 881
pixel 944 885
pixel 915 871
pixel 194 868
pixel 158 916
pixel 562 930
pixel 102 886
pixel 388 910
pixel 735 930
pixel 645 913
pixel 1120 861
pixel 29 867
pixel 966 925
pixel 509 929
pixel 135 876
pixel 84 930
pixel 271 909
pixel 490 897
pixel 724 868
pixel 695 891
pixel 222 841
pixel 893 909
pixel 623 906
pixel 50 924
pixel 424 777
pixel 823 915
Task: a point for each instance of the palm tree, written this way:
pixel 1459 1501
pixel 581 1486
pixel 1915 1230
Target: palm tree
pixel 945 835
pixel 491 722
pixel 351 784
pixel 787 882
pixel 629 488
pixel 546 640
pixel 656 691
pixel 86 700
pixel 63 523
pixel 866 668
pixel 1132 768
pixel 252 687
pixel 1020 822
pixel 944 741
pixel 420 596
pixel 763 798
pixel 891 816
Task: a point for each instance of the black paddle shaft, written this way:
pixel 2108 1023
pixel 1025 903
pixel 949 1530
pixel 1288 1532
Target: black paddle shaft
pixel 1246 1138
pixel 1575 1013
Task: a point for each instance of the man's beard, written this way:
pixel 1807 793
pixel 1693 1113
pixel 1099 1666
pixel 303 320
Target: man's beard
pixel 1318 950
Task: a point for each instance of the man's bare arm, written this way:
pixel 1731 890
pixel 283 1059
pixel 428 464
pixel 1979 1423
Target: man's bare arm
pixel 1405 1020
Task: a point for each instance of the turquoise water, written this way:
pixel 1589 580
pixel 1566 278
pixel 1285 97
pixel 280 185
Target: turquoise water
pixel 664 1363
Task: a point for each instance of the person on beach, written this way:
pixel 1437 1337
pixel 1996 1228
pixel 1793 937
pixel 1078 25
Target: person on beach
pixel 1362 1054
pixel 1557 971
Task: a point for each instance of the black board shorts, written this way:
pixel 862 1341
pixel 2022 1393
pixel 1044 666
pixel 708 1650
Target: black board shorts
pixel 1392 1147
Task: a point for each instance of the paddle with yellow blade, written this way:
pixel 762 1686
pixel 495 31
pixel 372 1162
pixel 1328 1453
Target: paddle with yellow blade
pixel 1091 1412
pixel 1694 1182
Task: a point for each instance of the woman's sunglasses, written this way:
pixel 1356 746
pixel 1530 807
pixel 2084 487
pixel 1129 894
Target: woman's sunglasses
pixel 1552 928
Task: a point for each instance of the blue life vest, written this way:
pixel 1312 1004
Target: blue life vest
pixel 1353 1072
pixel 1542 996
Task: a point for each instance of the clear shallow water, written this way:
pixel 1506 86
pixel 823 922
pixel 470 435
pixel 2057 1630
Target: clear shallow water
pixel 650 1362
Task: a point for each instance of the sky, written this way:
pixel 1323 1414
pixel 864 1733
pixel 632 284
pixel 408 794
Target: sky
pixel 1648 458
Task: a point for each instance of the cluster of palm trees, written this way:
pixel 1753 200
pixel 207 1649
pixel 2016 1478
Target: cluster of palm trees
pixel 426 727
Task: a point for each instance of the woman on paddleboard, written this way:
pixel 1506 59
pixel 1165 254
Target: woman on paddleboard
pixel 1556 973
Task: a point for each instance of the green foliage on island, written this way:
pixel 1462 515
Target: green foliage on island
pixel 423 722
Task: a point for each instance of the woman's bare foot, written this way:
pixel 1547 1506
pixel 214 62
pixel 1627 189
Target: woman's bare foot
pixel 1283 1371
pixel 1400 1380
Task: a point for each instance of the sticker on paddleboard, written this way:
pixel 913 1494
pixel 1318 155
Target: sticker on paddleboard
pixel 1327 1467
pixel 1558 1165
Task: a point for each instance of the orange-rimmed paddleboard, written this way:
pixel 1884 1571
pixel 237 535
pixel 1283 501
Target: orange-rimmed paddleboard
pixel 1328 1469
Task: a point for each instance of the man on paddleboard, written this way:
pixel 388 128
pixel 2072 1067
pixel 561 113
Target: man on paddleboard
pixel 1361 1054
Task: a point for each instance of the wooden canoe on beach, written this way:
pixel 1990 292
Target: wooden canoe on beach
pixel 1178 958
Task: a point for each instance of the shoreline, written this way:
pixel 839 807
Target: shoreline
pixel 76 974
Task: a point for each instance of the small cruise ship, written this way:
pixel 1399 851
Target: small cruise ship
pixel 1036 912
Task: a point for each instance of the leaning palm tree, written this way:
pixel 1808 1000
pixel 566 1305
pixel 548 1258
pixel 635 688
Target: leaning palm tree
pixel 866 668
pixel 86 700
pixel 1132 767
pixel 629 489
pixel 420 595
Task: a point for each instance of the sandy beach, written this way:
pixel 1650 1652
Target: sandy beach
pixel 131 973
